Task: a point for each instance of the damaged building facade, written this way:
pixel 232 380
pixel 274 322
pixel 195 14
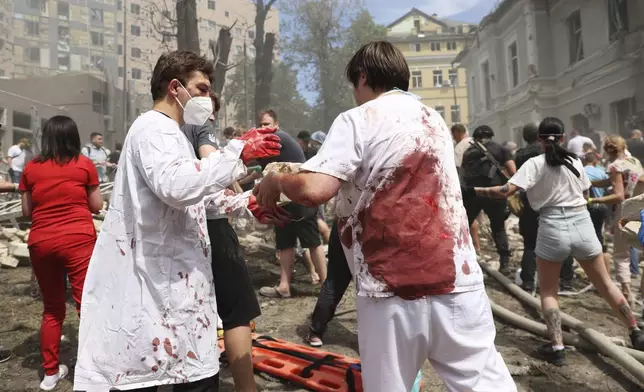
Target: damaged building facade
pixel 579 60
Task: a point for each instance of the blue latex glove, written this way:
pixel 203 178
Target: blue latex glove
pixel 640 233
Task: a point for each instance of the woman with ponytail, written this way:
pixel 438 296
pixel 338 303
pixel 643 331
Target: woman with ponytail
pixel 556 185
pixel 624 173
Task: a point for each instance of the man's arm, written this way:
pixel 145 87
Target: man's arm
pixel 180 181
pixel 309 189
pixel 497 192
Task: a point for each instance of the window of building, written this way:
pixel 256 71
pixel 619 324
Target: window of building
pixel 456 114
pixel 251 51
pixel 119 49
pixel 576 42
pixel 623 111
pixel 96 15
pixel 440 110
pixel 97 62
pixel 453 77
pixel 211 4
pixel 97 101
pixel 417 25
pixel 64 39
pixel 63 10
pixel 32 28
pixel 513 58
pixel 136 52
pixel 135 8
pixel 136 74
pixel 37 5
pixel 414 47
pixel 251 34
pixel 416 79
pixel 460 29
pixel 64 61
pixel 487 85
pixel 97 38
pixel 21 120
pixel 435 46
pixel 438 78
pixel 135 30
pixel 32 54
pixel 451 46
pixel 617 18
pixel 119 27
pixel 120 72
pixel 2 42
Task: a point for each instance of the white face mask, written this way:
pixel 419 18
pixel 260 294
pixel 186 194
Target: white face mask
pixel 197 109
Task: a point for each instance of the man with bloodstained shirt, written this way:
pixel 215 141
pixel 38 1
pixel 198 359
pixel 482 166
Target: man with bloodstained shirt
pixel 149 315
pixel 404 231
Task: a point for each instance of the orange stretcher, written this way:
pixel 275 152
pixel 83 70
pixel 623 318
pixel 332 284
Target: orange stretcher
pixel 305 366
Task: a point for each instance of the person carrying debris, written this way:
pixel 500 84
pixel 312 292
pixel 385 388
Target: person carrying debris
pixel 556 185
pixel 149 314
pixel 404 231
pixel 60 191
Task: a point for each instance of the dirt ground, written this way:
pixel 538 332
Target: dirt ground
pixel 288 319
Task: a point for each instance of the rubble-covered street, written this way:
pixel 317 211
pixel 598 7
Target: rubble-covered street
pixel 288 319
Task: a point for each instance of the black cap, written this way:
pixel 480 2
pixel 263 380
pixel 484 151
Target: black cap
pixel 304 135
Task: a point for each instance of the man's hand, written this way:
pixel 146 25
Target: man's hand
pixel 268 190
pixel 269 215
pixel 260 143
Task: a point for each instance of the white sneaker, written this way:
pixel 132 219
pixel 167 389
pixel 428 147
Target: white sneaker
pixel 49 382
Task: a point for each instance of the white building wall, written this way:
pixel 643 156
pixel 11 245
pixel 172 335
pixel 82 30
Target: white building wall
pixel 548 84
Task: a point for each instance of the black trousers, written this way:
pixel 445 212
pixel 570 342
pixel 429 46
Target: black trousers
pixel 206 385
pixel 495 211
pixel 528 228
pixel 598 214
pixel 337 280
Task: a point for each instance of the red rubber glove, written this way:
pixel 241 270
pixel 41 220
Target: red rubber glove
pixel 268 215
pixel 260 143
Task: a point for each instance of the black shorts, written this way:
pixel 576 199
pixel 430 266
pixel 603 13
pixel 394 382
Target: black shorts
pixel 303 226
pixel 237 304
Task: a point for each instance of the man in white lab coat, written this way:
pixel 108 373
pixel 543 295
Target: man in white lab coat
pixel 148 314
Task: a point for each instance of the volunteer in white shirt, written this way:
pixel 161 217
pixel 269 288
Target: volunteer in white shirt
pixel 576 143
pixel 17 157
pixel 404 230
pixel 556 185
pixel 148 314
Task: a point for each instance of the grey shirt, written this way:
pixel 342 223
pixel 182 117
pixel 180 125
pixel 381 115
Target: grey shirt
pixel 200 136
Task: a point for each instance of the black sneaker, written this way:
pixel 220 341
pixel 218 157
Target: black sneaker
pixel 549 354
pixel 5 355
pixel 637 339
pixel 528 287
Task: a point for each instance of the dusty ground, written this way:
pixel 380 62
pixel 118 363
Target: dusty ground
pixel 287 319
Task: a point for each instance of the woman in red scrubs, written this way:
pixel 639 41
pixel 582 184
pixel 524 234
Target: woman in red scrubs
pixel 60 192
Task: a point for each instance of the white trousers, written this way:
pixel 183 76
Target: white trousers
pixel 454 332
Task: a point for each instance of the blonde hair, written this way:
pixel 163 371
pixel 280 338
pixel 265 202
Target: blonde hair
pixel 25 143
pixel 615 141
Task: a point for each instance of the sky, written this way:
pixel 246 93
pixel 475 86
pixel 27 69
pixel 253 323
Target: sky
pixel 387 11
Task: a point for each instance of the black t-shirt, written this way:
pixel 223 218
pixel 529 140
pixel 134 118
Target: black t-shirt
pixel 199 136
pixel 636 148
pixel 478 170
pixel 290 152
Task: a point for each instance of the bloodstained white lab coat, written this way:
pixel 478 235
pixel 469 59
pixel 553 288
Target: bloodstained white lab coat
pixel 148 314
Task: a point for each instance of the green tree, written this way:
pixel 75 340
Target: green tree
pixel 291 108
pixel 324 34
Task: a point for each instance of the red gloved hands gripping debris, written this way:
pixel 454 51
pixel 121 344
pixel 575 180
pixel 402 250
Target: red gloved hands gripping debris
pixel 260 143
pixel 268 215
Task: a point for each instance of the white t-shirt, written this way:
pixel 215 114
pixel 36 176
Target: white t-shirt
pixel 576 144
pixel 402 223
pixel 18 158
pixel 149 315
pixel 548 186
pixel 460 149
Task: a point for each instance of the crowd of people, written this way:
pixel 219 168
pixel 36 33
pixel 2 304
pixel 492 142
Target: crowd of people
pixel 167 266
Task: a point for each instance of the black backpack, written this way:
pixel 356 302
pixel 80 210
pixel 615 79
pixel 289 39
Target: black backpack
pixel 478 170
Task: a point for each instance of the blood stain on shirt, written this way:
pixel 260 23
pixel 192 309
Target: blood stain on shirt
pixel 187 280
pixel 466 268
pixel 155 368
pixel 197 166
pixel 181 275
pixel 191 355
pixel 156 342
pixel 413 256
pixel 167 346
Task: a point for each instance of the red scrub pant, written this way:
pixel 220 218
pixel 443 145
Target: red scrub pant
pixel 50 260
